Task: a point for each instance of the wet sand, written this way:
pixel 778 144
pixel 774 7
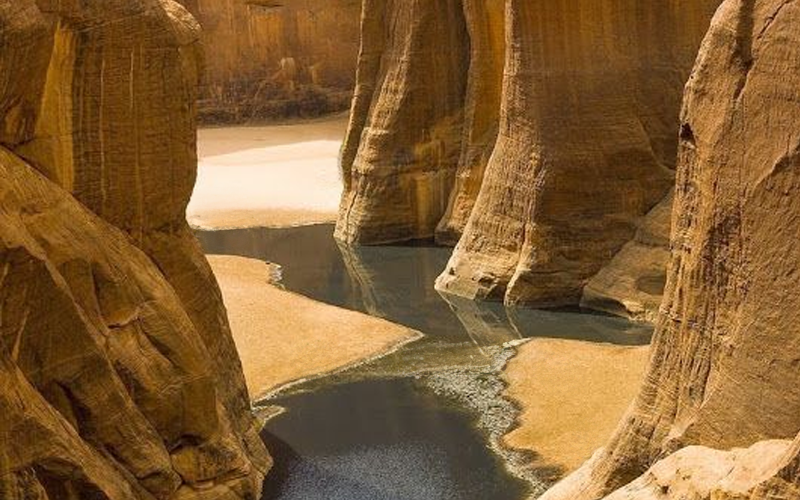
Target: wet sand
pixel 572 395
pixel 268 176
pixel 283 337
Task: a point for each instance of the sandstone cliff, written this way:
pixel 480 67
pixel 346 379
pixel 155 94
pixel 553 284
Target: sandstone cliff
pixel 541 153
pixel 402 147
pixel 724 369
pixel 119 374
pixel 271 59
pixel 584 148
pixel 632 284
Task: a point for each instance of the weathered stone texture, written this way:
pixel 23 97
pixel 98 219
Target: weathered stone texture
pixel 267 60
pixel 486 26
pixel 724 371
pixel 401 152
pixel 632 284
pixel 541 152
pixel 584 148
pixel 112 324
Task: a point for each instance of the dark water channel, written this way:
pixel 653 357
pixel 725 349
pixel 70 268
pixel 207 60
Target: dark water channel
pixel 376 433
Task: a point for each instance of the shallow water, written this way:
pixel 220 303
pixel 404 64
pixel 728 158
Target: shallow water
pixel 375 433
pixel 381 440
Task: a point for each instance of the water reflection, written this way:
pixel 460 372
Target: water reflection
pixel 396 283
pixel 372 433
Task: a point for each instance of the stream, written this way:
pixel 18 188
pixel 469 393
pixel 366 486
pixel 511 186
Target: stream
pixel 391 429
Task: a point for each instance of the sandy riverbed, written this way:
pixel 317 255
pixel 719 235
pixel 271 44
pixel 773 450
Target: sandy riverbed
pixel 573 394
pixel 283 337
pixel 268 176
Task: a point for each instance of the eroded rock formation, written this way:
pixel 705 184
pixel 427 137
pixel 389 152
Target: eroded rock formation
pixel 632 284
pixel 563 139
pixel 584 149
pixel 724 369
pixel 270 59
pixel 119 376
pixel 402 147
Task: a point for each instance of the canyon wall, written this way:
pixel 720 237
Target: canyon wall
pixel 724 367
pixel 402 147
pixel 270 59
pixel 549 138
pixel 118 374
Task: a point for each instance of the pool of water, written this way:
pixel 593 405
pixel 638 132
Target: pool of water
pixel 383 440
pixel 376 433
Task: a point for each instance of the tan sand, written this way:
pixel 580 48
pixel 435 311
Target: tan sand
pixel 270 176
pixel 283 337
pixel 573 395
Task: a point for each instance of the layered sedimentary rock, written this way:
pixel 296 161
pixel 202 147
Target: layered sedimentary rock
pixel 724 370
pixel 564 137
pixel 585 144
pixel 403 143
pixel 766 470
pixel 113 329
pixel 271 59
pixel 487 37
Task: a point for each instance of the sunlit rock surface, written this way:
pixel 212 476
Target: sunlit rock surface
pixel 401 152
pixel 724 370
pixel 268 59
pixel 585 145
pixel 550 135
pixel 119 374
pixel 486 25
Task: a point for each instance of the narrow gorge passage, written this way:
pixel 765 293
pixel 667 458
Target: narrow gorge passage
pixel 398 427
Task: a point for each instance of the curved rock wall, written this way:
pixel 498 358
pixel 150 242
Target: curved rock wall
pixel 274 59
pixel 113 330
pixel 564 137
pixel 584 148
pixel 401 152
pixel 487 38
pixel 724 369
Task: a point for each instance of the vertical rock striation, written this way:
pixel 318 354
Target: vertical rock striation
pixel 632 284
pixel 112 324
pixel 724 371
pixel 486 27
pixel 539 150
pixel 585 145
pixel 402 148
pixel 270 59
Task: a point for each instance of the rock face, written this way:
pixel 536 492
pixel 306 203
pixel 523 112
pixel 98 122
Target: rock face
pixel 269 59
pixel 402 147
pixel 563 139
pixel 632 284
pixel 724 369
pixel 118 374
pixel 584 147
pixel 487 38
pixel 766 470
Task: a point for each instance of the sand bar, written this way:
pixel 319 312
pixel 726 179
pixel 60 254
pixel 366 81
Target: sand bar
pixel 573 394
pixel 283 337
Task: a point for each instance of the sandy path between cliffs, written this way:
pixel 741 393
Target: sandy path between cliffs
pixel 268 176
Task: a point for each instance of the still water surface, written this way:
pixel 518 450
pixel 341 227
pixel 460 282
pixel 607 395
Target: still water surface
pixel 378 434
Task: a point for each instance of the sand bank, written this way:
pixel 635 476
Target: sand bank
pixel 283 337
pixel 270 176
pixel 572 394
